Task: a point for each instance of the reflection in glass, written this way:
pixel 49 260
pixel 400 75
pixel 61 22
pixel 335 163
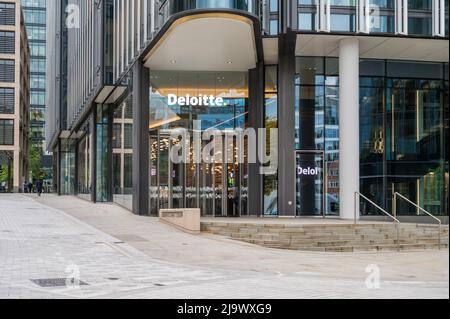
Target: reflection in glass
pixel 317 122
pixel 217 187
pixel 122 144
pixel 402 136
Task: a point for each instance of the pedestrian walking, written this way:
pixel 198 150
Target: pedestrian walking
pixel 39 187
pixel 25 187
pixel 30 187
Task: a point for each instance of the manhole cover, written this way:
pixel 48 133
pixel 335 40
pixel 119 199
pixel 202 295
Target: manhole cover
pixel 50 283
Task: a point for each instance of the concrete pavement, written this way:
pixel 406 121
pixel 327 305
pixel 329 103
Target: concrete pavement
pixel 120 255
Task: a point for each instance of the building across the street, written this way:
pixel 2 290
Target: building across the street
pixel 14 97
pixel 34 12
pixel 275 108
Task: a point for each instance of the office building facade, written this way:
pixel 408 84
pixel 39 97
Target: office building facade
pixel 14 97
pixel 276 108
pixel 35 20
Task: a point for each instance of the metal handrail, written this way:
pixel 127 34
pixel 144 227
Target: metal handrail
pixel 396 221
pixel 394 204
pixel 375 205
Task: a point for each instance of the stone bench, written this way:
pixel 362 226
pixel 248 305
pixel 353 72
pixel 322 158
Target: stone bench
pixel 185 219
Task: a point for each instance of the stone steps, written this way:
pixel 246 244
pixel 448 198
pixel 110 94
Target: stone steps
pixel 333 237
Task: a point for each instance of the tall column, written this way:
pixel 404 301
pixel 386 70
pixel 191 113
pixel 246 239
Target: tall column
pixel 141 139
pixel 286 125
pixel 93 131
pixel 348 125
pixel 256 121
pixel 16 171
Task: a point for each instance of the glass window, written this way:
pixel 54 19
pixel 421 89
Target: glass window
pixel 420 25
pixel 402 135
pixel 34 16
pixel 273 5
pixel 213 105
pixel 37 49
pixel 6 132
pixel 317 118
pixel 7 42
pixel 7 13
pixel 307 21
pixel 36 33
pixel 122 143
pixel 34 3
pixel 7 100
pixel 342 22
pixel 7 71
pixel 67 164
pixel 102 152
pixel 420 4
pixel 84 165
pixel 273 28
pixel 37 65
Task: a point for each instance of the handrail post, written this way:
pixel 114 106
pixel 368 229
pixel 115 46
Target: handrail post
pixel 356 206
pixel 439 236
pixel 394 209
pixel 423 210
pixel 394 204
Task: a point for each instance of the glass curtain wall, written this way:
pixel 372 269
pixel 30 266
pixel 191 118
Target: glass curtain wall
pixel 403 135
pixel 210 174
pixel 102 153
pixel 67 164
pixel 317 125
pixel 343 16
pixel 84 168
pixel 122 144
pixel 372 132
pixel 420 20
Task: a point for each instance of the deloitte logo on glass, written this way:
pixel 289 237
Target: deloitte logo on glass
pixel 201 100
pixel 307 171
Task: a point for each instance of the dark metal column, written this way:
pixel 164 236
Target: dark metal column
pixel 110 155
pixel 93 130
pixel 256 121
pixel 58 169
pixel 286 125
pixel 141 150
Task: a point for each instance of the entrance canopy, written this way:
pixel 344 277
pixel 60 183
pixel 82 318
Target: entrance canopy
pixel 206 42
pixel 371 47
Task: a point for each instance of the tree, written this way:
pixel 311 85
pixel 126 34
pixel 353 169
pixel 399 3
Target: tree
pixel 3 173
pixel 34 162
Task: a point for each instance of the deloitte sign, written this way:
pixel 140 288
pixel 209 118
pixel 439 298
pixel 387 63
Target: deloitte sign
pixel 201 100
pixel 307 171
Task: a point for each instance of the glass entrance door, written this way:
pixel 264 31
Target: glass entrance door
pixel 310 186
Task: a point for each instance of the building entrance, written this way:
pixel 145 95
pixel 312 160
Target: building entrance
pixel 310 185
pixel 218 187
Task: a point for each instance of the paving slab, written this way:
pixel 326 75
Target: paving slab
pixel 120 255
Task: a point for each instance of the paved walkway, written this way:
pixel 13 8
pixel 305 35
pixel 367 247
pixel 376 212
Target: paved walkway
pixel 120 255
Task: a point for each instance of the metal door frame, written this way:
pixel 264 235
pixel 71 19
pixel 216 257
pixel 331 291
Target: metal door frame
pixel 324 181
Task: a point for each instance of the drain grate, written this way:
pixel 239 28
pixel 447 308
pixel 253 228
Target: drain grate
pixel 55 282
